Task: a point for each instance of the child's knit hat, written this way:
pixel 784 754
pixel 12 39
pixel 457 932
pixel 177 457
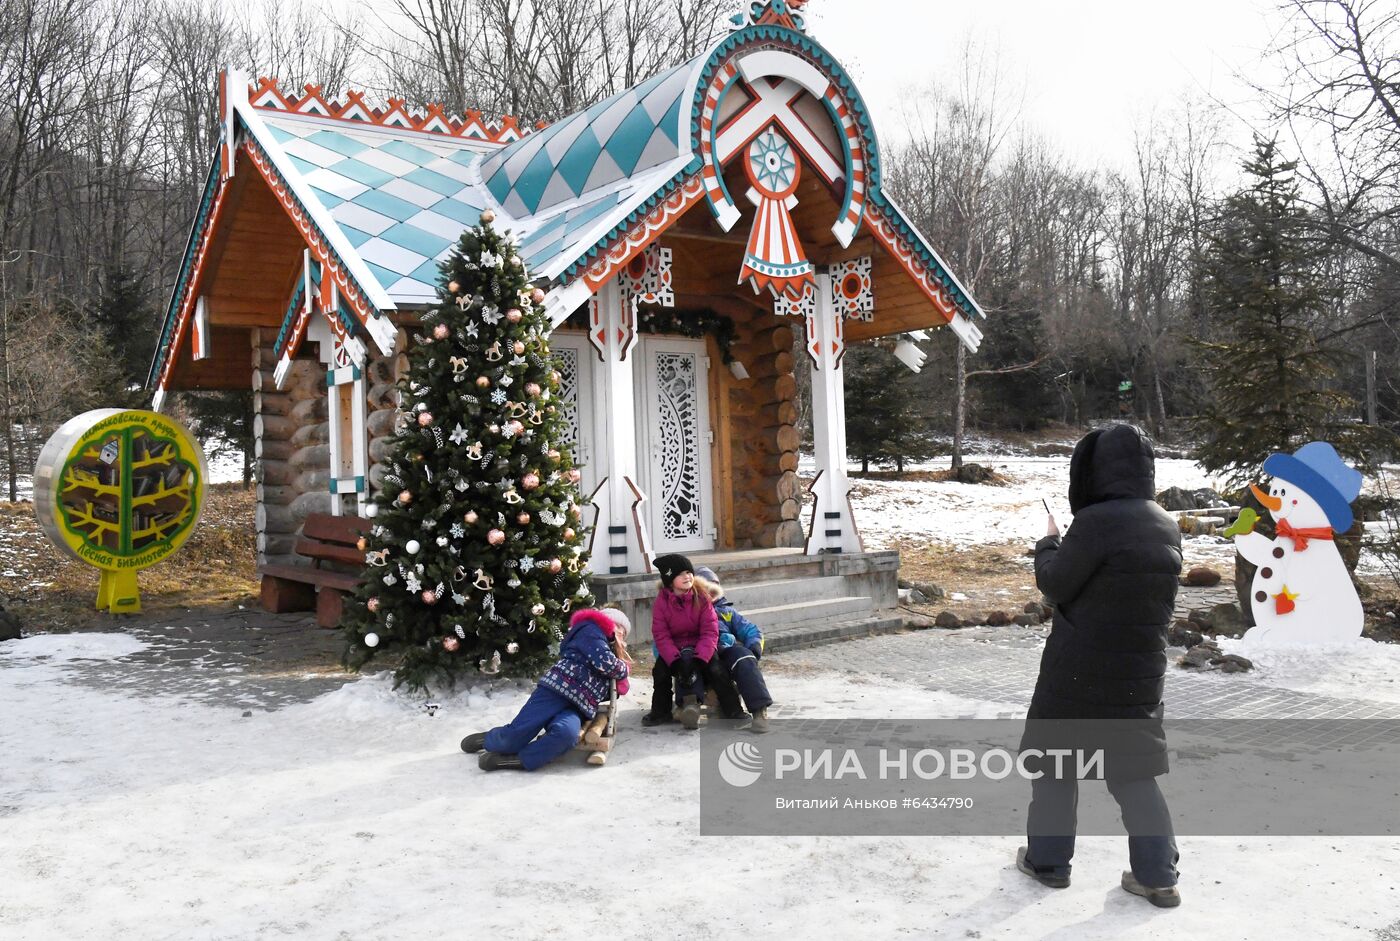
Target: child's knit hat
pixel 620 620
pixel 671 565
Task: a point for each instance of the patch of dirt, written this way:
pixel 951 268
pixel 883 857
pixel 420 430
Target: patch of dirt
pixel 51 591
pixel 994 577
pixel 930 476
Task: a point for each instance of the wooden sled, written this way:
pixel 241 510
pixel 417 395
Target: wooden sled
pixel 597 735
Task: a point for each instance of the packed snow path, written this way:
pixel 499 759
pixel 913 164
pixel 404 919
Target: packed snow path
pixel 154 789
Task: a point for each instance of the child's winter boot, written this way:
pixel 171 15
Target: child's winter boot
pixel 1165 897
pixel 654 718
pixel 474 743
pixel 760 721
pixel 491 761
pixel 690 712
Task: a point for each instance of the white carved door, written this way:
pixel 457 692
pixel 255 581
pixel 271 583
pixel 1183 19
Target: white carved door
pixel 673 422
pixel 574 359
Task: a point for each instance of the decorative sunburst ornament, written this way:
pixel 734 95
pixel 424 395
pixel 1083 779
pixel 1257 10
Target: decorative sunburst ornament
pixel 774 258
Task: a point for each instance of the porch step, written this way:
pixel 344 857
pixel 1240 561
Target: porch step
pixel 751 595
pixel 816 633
pixel 776 617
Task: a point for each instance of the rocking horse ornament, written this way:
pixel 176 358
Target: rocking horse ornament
pixel 774 258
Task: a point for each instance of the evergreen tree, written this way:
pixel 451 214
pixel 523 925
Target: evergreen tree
pixel 476 553
pixel 129 326
pixel 885 421
pixel 1270 369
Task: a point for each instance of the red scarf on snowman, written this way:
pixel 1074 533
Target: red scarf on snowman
pixel 1300 537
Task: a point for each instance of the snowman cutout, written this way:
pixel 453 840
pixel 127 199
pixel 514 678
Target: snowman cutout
pixel 1302 594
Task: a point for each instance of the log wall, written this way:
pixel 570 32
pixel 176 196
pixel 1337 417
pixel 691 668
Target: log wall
pixel 291 441
pixel 763 438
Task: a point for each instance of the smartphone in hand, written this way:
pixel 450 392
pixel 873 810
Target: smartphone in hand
pixel 1051 527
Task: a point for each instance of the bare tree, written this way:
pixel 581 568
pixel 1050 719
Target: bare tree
pixel 1342 101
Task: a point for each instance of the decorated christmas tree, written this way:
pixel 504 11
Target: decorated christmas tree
pixel 475 556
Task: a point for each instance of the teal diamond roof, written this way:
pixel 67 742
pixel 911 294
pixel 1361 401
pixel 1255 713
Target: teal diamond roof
pixel 630 133
pixel 402 199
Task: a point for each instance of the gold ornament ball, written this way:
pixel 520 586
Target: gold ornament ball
pixel 453 286
pixel 523 519
pixel 518 347
pixel 405 497
pixel 361 544
pixel 482 382
pixel 488 217
pixel 568 533
pixel 553 454
pixel 470 517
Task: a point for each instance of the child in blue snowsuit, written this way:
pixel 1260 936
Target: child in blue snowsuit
pixel 590 655
pixel 740 647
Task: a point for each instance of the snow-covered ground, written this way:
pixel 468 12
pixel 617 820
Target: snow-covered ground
pixel 356 816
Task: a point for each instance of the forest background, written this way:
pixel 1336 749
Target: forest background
pixel 1097 280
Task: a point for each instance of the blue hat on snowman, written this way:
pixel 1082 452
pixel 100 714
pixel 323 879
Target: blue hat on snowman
pixel 1321 473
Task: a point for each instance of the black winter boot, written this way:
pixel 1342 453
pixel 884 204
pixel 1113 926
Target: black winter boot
pixel 491 761
pixel 652 718
pixel 474 743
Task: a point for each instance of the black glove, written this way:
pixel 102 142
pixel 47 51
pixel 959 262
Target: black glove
pixel 686 666
pixel 756 648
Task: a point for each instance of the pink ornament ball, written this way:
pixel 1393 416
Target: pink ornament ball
pixel 482 382
pixel 574 475
pixel 487 217
pixel 514 315
pixel 532 389
pixel 405 497
pixel 530 481
pixel 523 519
pixel 537 610
pixel 425 419
pixel 372 604
pixel 568 533
pixel 519 347
pixel 441 331
pixel 453 286
pixel 537 295
pixel 553 454
pixel 429 597
pixel 470 517
pixel 495 537
pixel 450 644
pixel 555 566
pixel 575 512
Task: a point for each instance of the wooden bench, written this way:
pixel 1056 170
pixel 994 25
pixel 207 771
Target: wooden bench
pixel 329 541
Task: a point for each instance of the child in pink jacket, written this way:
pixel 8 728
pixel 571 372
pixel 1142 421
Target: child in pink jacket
pixel 686 634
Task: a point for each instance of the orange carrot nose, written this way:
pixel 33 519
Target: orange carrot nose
pixel 1272 504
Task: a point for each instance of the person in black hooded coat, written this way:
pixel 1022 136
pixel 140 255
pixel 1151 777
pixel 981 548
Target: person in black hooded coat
pixel 1112 581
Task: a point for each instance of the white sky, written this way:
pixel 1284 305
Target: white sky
pixel 1090 69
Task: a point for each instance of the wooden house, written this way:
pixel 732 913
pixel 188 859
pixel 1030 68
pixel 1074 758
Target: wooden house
pixel 687 231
